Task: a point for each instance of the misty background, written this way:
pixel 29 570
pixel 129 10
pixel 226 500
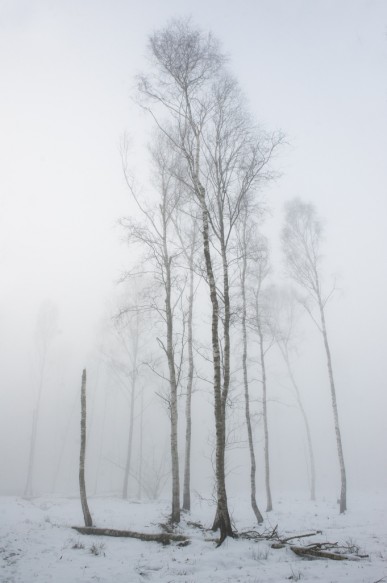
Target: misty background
pixel 316 71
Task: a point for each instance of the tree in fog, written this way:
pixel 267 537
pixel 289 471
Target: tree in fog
pixel 301 239
pixel 155 235
pixel 188 242
pixel 201 111
pixel 45 332
pixel 260 323
pixel 82 455
pixel 124 364
pixel 246 234
pixel 283 328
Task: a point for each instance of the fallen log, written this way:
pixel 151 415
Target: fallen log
pixel 317 552
pixel 160 537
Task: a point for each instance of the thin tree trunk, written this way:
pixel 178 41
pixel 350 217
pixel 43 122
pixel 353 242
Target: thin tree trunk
pixel 226 354
pixel 222 519
pixel 306 422
pixel 188 431
pixel 269 504
pixel 175 515
pixel 130 442
pixel 343 492
pixel 254 505
pixel 82 486
pixel 139 491
pixel 131 417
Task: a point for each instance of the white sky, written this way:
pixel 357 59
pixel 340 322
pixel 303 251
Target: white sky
pixel 315 69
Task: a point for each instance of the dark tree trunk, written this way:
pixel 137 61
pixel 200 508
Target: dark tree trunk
pixel 222 519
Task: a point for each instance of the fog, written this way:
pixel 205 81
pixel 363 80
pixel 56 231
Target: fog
pixel 316 71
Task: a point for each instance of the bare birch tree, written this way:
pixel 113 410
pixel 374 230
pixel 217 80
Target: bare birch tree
pixel 188 242
pixel 301 239
pixel 245 240
pixel 261 269
pixel 155 236
pixel 188 406
pixel 140 447
pixel 223 157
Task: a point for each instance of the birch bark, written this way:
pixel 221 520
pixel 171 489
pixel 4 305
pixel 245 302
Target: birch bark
pixel 188 405
pixel 253 499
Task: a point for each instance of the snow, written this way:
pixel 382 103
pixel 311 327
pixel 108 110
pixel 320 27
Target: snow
pixel 37 543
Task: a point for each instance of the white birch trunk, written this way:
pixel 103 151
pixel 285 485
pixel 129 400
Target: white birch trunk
pixel 175 515
pixel 131 417
pixel 139 490
pixel 222 519
pixel 253 500
pixel 269 504
pixel 343 491
pixel 188 431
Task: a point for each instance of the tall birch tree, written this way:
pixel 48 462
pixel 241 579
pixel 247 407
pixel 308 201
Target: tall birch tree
pixel 188 243
pixel 302 237
pixel 199 107
pixel 155 235
pixel 245 241
pixel 261 269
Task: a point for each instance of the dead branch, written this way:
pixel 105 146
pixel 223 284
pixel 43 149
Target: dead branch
pixel 316 552
pixel 265 535
pixel 161 537
pixel 285 540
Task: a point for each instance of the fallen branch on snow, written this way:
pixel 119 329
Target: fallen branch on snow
pixel 161 537
pixel 318 552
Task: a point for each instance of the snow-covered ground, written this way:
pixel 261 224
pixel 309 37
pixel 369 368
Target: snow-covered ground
pixel 37 543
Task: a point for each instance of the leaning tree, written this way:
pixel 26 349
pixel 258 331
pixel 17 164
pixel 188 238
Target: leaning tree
pixel 301 241
pixel 283 325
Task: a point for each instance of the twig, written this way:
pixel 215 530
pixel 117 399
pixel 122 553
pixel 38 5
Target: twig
pixel 285 540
